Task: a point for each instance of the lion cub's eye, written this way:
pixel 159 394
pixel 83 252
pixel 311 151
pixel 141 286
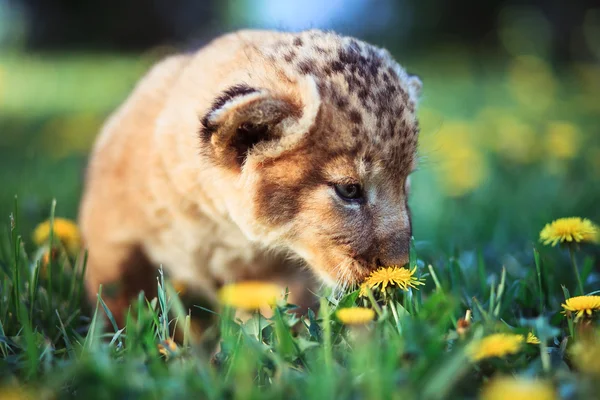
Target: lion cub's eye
pixel 349 192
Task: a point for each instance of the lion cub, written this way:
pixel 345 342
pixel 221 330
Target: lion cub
pixel 264 155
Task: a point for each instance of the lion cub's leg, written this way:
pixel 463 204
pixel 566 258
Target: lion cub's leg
pixel 123 272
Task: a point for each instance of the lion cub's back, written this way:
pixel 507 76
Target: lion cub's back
pixel 114 176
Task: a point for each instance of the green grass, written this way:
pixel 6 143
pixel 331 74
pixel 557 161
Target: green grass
pixel 476 251
pixel 49 342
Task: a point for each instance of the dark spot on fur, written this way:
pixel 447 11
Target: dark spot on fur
pixel 349 56
pixel 307 67
pixel 298 42
pixel 392 126
pixel 363 95
pixel 359 147
pixel 359 70
pixel 374 62
pixel 355 117
pixel 340 101
pixel 399 110
pixel 391 89
pixel 353 83
pixel 337 66
pixel 289 57
pixel 404 95
pixel 323 88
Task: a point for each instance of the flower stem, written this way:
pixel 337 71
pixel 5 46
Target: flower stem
pixel 395 314
pixel 545 356
pixel 374 303
pixel 327 352
pixel 258 315
pixel 576 270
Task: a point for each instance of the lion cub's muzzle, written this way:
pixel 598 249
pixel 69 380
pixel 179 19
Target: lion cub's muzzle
pixel 391 250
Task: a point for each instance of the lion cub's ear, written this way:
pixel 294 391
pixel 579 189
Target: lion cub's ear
pixel 243 118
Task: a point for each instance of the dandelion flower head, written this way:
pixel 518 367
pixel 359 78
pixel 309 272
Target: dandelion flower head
pixel 582 305
pixel 391 276
pixel 64 230
pixel 505 387
pixel 496 345
pixel 249 295
pixel 573 229
pixel 355 315
pixel 532 339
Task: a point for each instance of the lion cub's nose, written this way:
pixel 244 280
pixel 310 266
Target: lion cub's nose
pixel 393 251
pixel 399 260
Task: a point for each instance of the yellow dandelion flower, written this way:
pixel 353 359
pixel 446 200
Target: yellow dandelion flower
pixel 64 230
pixel 249 295
pixel 496 345
pixel 505 387
pixel 532 83
pixel 515 139
pixel 392 276
pixel 355 315
pixel 562 140
pixel 461 164
pixel 582 305
pixel 586 355
pixel 167 347
pixel 573 229
pixel 532 339
pixel 363 290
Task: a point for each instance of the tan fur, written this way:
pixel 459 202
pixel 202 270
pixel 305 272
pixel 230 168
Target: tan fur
pixel 172 182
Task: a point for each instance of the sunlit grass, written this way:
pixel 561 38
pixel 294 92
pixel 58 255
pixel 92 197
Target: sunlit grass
pixel 404 343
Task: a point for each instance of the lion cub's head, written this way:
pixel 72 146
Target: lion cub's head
pixel 320 138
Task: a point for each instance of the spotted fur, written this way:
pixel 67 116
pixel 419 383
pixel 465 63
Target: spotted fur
pixel 222 165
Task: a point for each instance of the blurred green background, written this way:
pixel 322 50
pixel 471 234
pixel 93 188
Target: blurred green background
pixel 510 111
